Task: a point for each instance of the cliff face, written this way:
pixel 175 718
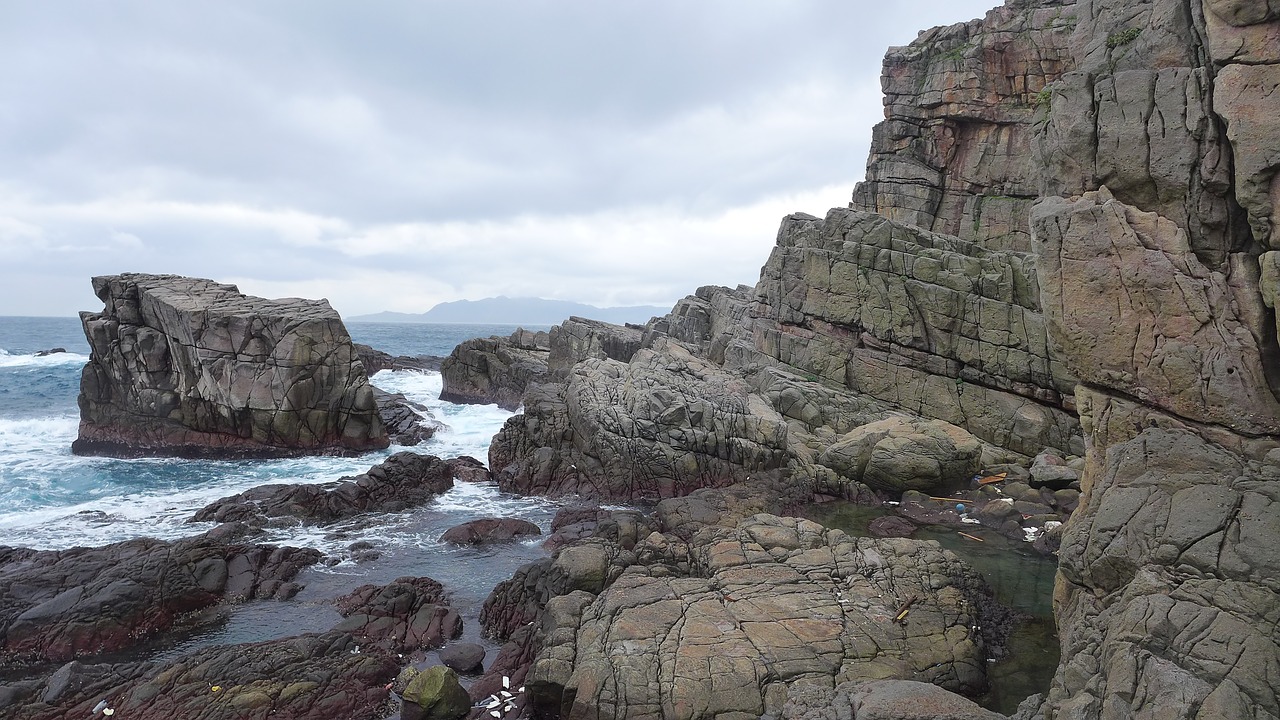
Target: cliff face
pixel 1066 240
pixel 1136 148
pixel 184 366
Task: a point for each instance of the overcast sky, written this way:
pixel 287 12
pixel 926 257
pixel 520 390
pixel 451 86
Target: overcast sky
pixel 392 155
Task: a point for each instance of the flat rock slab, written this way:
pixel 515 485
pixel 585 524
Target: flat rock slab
pixel 771 601
pixel 312 677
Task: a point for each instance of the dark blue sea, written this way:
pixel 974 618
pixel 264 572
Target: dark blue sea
pixel 51 499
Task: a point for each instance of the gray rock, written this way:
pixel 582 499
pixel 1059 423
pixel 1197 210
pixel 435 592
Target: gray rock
pixel 495 370
pixel 185 366
pixel 489 530
pixel 466 658
pixel 401 481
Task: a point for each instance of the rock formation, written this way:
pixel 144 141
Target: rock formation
pixel 401 481
pixel 495 370
pixel 1065 242
pixel 184 366
pixel 72 604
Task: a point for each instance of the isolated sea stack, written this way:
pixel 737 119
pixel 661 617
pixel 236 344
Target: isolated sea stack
pixel 190 367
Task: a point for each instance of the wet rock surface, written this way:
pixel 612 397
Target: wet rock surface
pixel 191 367
pixel 489 530
pixel 60 605
pixel 407 615
pixel 312 677
pixel 401 481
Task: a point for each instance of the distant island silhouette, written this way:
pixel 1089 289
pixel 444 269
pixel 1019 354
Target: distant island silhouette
pixel 504 310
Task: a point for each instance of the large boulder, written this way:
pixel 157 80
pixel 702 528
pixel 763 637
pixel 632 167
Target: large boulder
pixel 900 453
pixel 662 425
pixel 186 366
pixel 435 694
pixel 403 616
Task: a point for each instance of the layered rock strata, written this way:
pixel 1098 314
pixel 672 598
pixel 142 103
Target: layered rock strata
pixel 185 366
pixel 1068 213
pixel 1153 161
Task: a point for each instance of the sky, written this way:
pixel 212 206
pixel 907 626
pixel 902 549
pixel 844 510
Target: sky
pixel 394 155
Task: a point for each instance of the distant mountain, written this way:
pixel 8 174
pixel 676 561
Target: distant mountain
pixel 517 311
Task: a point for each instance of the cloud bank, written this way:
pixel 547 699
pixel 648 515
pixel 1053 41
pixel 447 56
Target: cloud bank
pixel 396 155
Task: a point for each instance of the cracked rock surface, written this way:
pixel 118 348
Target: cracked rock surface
pixel 191 367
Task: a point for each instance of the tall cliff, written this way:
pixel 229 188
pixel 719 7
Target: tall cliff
pixel 1065 240
pixel 185 366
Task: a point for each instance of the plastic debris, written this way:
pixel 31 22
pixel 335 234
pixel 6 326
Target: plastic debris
pixel 97 709
pixel 108 711
pixel 215 688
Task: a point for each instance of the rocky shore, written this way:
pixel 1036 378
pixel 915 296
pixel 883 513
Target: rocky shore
pixel 1049 311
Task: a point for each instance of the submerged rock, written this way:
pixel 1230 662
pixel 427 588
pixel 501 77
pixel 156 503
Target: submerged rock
pixel 191 367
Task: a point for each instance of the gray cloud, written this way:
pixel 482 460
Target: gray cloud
pixel 395 155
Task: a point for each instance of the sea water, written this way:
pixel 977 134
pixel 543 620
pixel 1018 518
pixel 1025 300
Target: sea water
pixel 51 499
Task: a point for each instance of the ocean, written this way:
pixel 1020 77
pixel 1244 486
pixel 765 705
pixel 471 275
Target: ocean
pixel 51 499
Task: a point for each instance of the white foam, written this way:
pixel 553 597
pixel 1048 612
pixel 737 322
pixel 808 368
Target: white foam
pixel 37 361
pixel 468 428
pixel 54 500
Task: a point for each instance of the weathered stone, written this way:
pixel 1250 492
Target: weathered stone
pixel 60 605
pixel 1133 309
pixel 489 530
pixel 185 366
pixel 435 694
pixel 578 339
pixel 313 677
pixel 401 481
pixel 406 615
pixel 898 454
pixel 661 426
pixel 407 423
pixel 495 370
pixel 881 700
pixel 772 601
